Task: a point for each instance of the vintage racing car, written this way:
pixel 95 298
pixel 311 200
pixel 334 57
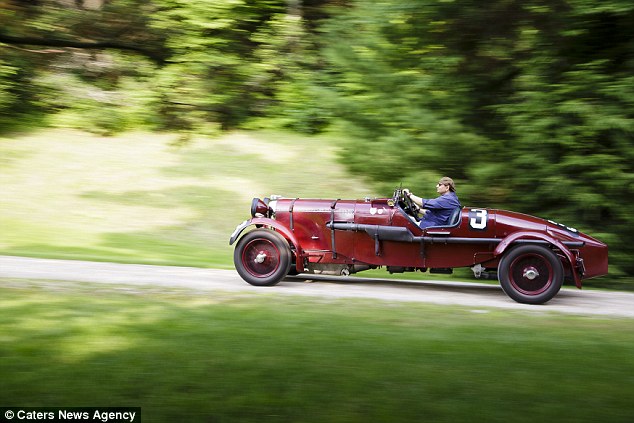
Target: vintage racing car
pixel 531 256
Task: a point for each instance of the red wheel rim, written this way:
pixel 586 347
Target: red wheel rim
pixel 531 274
pixel 261 258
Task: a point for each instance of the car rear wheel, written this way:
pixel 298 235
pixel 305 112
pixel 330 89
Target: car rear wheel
pixel 531 274
pixel 262 257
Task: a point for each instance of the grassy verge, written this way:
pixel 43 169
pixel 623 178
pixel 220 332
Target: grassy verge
pixel 219 357
pixel 141 198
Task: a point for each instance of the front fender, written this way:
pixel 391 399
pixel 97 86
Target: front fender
pixel 239 229
pixel 263 221
pixel 526 235
pixel 274 224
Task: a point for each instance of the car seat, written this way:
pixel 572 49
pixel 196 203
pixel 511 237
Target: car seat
pixel 454 219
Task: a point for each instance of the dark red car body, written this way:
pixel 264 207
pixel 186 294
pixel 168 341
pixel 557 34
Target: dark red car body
pixel 531 256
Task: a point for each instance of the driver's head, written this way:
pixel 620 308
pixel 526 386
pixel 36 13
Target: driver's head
pixel 448 182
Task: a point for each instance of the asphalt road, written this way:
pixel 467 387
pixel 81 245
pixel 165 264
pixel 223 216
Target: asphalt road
pixel 474 295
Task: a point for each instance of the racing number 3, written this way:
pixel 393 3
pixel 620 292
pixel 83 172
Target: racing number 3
pixel 478 219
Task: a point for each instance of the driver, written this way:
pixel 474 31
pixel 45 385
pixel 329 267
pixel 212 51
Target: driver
pixel 439 209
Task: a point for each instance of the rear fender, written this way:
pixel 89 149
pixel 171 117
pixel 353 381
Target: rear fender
pixel 272 224
pixel 526 235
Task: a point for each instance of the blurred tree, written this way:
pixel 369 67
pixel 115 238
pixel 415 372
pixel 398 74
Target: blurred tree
pixel 7 73
pixel 65 57
pixel 235 62
pixel 286 60
pixel 211 75
pixel 95 24
pixel 571 119
pixel 213 64
pixel 529 104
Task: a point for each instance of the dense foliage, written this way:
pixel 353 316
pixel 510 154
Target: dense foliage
pixel 528 104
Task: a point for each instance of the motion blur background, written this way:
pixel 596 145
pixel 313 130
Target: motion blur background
pixel 528 105
pixel 139 130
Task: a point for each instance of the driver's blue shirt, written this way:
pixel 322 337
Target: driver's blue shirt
pixel 439 210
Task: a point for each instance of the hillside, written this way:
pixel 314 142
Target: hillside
pixel 144 198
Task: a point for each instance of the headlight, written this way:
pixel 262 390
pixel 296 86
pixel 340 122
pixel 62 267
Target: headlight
pixel 260 208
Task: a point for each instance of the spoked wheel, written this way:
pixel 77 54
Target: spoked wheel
pixel 531 274
pixel 262 257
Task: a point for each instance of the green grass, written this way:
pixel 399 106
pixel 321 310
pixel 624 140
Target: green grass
pixel 142 198
pixel 229 357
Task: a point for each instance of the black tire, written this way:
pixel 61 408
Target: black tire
pixel 262 257
pixel 531 274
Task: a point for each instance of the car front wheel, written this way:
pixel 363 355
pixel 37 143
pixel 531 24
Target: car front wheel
pixel 531 274
pixel 262 257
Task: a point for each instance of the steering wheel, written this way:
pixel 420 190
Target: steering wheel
pixel 406 203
